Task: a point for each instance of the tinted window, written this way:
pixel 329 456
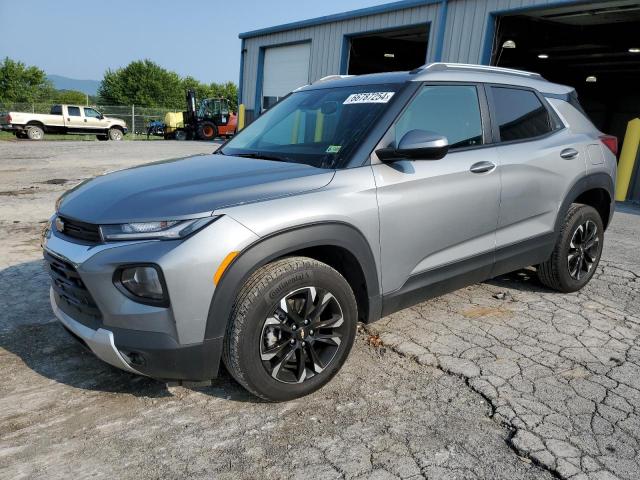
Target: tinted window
pixel 452 111
pixel 56 110
pixel 90 112
pixel 73 111
pixel 520 114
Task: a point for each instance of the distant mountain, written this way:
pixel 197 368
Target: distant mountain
pixel 90 87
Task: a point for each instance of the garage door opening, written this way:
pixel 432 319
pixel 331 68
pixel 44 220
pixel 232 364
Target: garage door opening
pixel 594 48
pixel 285 69
pixel 389 51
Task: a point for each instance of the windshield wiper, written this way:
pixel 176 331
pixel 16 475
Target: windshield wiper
pixel 262 156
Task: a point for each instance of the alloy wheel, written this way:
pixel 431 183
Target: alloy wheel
pixel 583 250
pixel 302 335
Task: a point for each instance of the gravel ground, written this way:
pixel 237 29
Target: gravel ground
pixel 499 380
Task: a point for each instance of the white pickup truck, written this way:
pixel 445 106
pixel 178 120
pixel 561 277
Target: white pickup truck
pixel 73 119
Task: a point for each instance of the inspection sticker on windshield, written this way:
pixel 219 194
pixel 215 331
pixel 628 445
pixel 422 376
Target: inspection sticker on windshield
pixel 333 149
pixel 368 97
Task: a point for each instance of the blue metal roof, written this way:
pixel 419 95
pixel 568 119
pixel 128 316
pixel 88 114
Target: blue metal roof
pixel 362 12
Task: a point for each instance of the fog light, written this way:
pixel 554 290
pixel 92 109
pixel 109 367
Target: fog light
pixel 144 282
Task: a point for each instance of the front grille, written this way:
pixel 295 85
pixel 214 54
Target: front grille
pixel 87 232
pixel 75 299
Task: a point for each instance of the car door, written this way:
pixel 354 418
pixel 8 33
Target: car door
pixel 74 120
pixel 93 120
pixel 438 217
pixel 540 160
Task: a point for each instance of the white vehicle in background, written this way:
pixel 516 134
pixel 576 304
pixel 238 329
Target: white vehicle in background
pixel 64 119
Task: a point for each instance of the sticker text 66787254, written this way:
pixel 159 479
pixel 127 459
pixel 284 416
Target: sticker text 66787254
pixel 368 97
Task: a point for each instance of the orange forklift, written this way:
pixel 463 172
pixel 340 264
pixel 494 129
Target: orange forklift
pixel 212 118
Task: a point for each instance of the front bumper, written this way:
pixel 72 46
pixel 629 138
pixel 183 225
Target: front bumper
pixel 99 341
pixel 167 343
pixel 144 353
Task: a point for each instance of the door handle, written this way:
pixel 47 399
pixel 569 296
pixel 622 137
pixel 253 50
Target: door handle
pixel 569 153
pixel 482 167
pixel 85 120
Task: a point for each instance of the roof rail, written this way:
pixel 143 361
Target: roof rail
pixel 330 77
pixel 467 67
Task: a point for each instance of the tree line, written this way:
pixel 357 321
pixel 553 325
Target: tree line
pixel 142 82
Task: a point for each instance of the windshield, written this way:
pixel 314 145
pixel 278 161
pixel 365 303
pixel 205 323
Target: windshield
pixel 321 128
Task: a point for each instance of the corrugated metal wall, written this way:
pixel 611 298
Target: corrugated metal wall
pixel 464 38
pixel 326 42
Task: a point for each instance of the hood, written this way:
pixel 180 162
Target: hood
pixel 187 188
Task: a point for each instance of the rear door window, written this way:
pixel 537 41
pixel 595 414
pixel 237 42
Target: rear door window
pixel 520 114
pixel 73 111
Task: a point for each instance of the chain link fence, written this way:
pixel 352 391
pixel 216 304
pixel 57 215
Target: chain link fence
pixel 137 118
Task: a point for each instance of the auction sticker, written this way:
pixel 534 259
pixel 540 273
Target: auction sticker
pixel 368 97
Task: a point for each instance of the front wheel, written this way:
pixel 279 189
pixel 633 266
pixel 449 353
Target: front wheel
pixel 115 134
pixel 292 327
pixel 207 130
pixel 577 252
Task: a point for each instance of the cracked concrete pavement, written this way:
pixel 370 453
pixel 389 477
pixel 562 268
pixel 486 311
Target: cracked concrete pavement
pixel 499 380
pixel 562 371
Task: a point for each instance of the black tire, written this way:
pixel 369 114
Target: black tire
pixel 571 265
pixel 115 134
pixel 102 138
pixel 180 135
pixel 34 132
pixel 255 311
pixel 207 130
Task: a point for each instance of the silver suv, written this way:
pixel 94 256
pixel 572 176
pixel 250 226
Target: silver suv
pixel 350 199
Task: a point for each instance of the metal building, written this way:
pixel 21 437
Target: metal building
pixel 593 46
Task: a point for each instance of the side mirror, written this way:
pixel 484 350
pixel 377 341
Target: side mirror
pixel 416 145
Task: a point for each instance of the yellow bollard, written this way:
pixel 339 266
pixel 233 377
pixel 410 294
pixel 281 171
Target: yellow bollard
pixel 241 109
pixel 319 126
pixel 296 127
pixel 627 159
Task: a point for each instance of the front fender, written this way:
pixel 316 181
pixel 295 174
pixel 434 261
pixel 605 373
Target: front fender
pixel 282 243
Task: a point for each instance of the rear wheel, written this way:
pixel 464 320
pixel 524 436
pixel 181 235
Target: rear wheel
pixel 577 252
pixel 115 134
pixel 35 132
pixel 180 135
pixel 292 328
pixel 207 131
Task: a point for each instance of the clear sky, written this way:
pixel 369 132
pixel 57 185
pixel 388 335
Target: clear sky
pixel 82 38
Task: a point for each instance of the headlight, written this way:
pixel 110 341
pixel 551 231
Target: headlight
pixel 142 283
pixel 164 230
